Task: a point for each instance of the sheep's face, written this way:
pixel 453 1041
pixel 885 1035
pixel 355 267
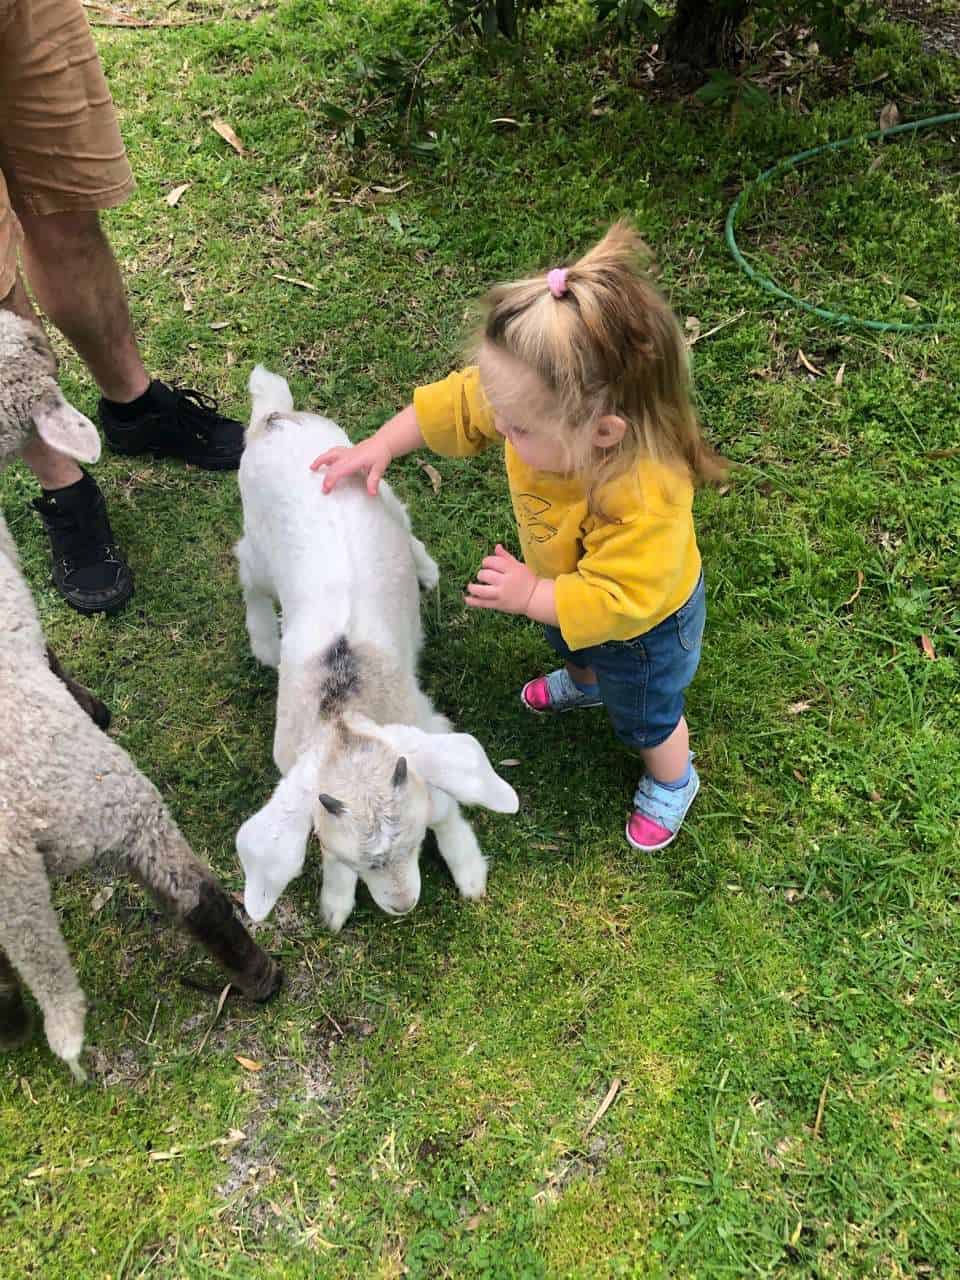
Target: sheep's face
pixel 31 401
pixel 377 826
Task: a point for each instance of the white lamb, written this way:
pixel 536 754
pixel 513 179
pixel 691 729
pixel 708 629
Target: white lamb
pixel 367 760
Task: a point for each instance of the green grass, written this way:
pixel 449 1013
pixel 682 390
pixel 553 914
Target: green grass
pixel 427 1086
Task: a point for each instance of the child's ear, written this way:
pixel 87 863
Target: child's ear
pixel 609 431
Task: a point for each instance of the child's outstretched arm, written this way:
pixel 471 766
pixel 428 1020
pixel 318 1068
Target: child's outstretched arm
pixel 372 456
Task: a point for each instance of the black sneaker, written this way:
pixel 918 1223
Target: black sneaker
pixel 89 570
pixel 176 422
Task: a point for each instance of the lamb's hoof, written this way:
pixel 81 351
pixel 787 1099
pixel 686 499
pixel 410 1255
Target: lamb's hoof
pixel 472 883
pixel 15 1023
pixel 100 714
pixel 335 917
pixel 429 577
pixel 265 984
pixel 78 1073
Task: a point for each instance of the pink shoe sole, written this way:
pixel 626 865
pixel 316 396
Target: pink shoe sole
pixel 640 829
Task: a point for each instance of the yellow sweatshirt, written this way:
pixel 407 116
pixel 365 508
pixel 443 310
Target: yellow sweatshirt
pixel 616 578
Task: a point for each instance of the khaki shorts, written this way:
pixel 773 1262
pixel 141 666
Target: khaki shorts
pixel 60 144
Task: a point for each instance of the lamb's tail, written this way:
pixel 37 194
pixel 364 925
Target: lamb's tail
pixel 269 394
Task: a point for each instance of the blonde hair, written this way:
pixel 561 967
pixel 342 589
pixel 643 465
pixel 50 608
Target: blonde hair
pixel 603 340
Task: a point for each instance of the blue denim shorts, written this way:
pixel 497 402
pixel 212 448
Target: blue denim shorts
pixel 642 681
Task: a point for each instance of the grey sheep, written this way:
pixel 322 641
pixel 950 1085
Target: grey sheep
pixel 68 794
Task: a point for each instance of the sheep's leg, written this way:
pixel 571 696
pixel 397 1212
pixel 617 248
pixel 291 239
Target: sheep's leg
pixel 263 626
pixel 31 938
pixel 338 894
pixel 14 1018
pixel 157 855
pixel 87 701
pixel 458 847
pixel 428 574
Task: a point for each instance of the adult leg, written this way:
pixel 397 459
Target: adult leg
pixel 72 271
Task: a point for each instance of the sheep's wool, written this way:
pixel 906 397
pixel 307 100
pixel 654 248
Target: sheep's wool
pixel 27 369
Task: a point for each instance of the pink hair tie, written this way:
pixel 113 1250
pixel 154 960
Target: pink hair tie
pixel 557 281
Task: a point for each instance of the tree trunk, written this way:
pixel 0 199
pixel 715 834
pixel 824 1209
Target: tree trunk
pixel 703 33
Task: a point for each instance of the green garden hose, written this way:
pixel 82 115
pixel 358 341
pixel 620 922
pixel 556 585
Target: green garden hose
pixel 793 162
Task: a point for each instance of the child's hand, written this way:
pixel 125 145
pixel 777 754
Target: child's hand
pixel 371 456
pixel 504 583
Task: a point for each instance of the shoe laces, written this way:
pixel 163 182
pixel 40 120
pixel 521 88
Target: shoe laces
pixel 198 412
pixel 78 537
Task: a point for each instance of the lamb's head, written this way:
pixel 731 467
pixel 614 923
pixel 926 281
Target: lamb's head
pixel 373 818
pixel 371 804
pixel 31 401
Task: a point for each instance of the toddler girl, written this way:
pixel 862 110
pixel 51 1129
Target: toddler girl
pixel 583 374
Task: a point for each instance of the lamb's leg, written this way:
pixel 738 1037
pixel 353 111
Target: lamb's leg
pixel 263 627
pixel 14 1018
pixel 31 938
pixel 338 894
pixel 157 855
pixel 298 689
pixel 458 847
pixel 87 701
pixel 428 574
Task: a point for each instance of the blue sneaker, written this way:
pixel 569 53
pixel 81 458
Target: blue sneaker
pixel 557 692
pixel 658 812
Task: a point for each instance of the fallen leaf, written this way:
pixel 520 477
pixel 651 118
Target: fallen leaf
pixel 838 376
pixel 692 324
pixel 942 453
pixel 248 1064
pixel 810 368
pixel 506 120
pixel 797 708
pixel 473 1222
pixel 874 797
pixel 800 777
pixel 304 284
pixel 910 303
pixel 389 191
pixel 508 764
pixel 101 898
pixel 433 475
pixel 173 197
pixel 724 490
pixel 858 590
pixel 604 1106
pixel 926 644
pixel 228 135
pixel 220 324
pixel 889 116
pixel 875 163
pixel 791 895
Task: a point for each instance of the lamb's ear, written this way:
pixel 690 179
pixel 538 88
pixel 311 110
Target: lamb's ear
pixel 272 845
pixel 64 428
pixel 455 763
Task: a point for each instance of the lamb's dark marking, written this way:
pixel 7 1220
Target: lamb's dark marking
pixel 334 807
pixel 400 772
pixel 14 1018
pixel 341 682
pixel 214 923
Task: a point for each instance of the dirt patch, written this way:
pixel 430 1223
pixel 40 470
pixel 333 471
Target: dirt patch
pixel 939 29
